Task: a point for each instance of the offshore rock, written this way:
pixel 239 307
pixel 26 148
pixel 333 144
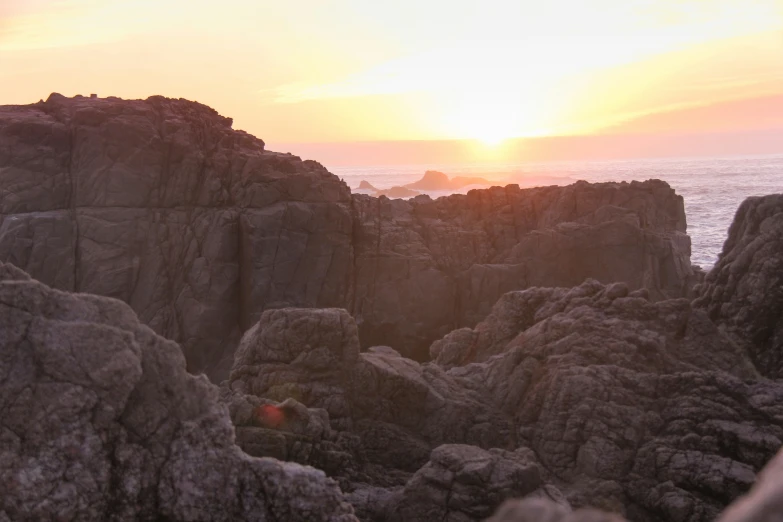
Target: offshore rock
pixel 102 422
pixel 159 203
pixel 744 291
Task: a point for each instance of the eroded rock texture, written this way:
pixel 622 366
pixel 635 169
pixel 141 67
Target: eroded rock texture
pixel 744 291
pixel 633 406
pixel 161 204
pixel 99 420
pixel 425 267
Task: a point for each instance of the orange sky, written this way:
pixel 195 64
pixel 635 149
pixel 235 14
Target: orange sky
pixel 356 70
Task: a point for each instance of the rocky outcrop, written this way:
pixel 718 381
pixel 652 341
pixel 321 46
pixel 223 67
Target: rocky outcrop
pixel 744 291
pixel 622 403
pixel 396 193
pixel 434 180
pixel 161 204
pixel 366 185
pixel 424 267
pixel 100 421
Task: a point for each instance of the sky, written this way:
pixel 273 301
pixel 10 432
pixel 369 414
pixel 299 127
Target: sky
pixel 305 72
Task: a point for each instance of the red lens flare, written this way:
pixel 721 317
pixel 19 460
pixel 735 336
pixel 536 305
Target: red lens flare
pixel 270 416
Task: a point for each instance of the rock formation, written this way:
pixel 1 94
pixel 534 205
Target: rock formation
pixel 396 193
pixel 434 180
pixel 366 185
pixel 554 393
pixel 744 291
pixel 100 421
pixel 638 407
pixel 424 267
pixel 161 204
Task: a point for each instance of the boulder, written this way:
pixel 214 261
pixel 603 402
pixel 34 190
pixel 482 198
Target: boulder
pixel 101 421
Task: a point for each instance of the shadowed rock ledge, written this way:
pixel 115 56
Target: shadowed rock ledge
pixel 161 204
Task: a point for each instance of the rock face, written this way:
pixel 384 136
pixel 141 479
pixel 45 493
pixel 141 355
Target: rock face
pixel 596 395
pixel 100 421
pixel 161 204
pixel 396 192
pixel 744 291
pixel 424 267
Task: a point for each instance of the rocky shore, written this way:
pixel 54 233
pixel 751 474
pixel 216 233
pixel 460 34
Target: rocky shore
pixel 510 355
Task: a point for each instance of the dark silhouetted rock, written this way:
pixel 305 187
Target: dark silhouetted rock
pixel 764 503
pixel 366 185
pixel 434 180
pixel 744 291
pixel 641 408
pixel 397 192
pixel 100 421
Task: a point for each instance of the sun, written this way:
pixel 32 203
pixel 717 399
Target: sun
pixel 492 139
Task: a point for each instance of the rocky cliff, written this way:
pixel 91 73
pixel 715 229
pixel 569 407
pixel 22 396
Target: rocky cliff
pixel 606 402
pixel 161 204
pixel 744 291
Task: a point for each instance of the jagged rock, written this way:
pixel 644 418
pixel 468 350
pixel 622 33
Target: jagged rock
pixel 744 291
pixel 425 267
pixel 100 421
pixel 161 204
pixel 399 408
pixel 642 408
pixel 638 407
pixel 462 483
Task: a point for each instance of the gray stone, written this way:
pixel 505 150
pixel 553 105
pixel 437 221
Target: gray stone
pixel 744 291
pixel 101 421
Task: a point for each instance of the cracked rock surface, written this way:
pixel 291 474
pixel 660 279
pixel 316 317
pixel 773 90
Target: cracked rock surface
pixel 161 204
pixel 596 393
pixel 99 420
pixel 744 291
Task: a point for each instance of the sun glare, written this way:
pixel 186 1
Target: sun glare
pixel 492 140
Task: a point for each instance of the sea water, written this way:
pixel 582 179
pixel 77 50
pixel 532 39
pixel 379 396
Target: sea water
pixel 712 188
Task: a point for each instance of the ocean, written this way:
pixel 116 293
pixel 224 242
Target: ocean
pixel 712 188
